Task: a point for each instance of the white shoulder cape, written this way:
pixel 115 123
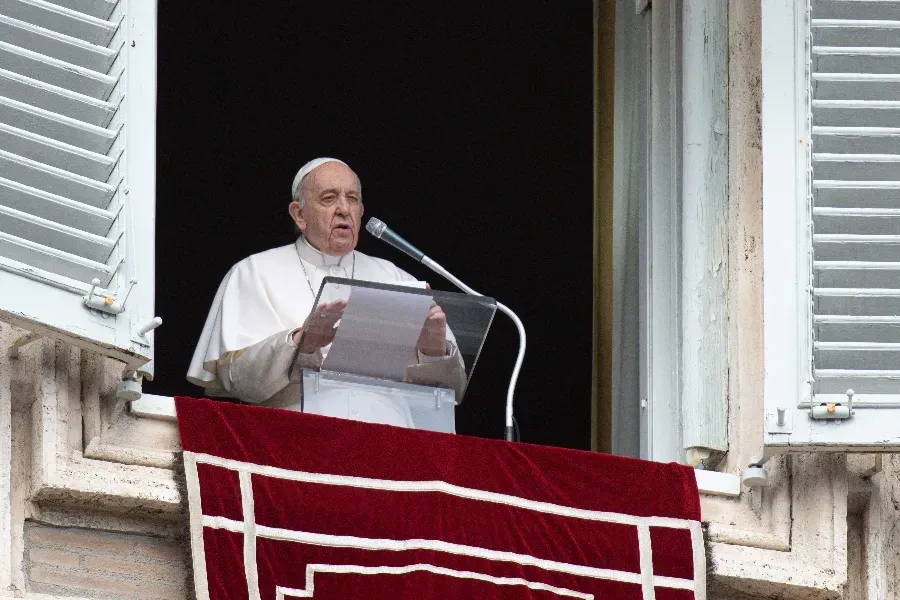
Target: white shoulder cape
pixel 268 293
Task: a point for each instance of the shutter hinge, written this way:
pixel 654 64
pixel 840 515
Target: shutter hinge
pixel 833 410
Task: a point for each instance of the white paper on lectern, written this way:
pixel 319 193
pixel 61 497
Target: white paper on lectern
pixel 378 332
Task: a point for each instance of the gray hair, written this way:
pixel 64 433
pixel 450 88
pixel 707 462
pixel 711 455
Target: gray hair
pixel 297 196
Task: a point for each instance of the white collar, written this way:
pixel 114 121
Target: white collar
pixel 317 258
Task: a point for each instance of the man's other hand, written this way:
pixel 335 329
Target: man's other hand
pixel 321 326
pixel 432 340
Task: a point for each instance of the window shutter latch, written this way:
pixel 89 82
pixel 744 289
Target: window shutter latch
pixel 106 304
pixel 109 305
pixel 833 410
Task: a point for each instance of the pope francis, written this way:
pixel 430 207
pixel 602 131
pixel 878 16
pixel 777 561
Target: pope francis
pixel 254 328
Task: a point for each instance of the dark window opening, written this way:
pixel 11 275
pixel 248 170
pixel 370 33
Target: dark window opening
pixel 470 125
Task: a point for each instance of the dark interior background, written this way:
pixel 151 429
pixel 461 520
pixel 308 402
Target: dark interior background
pixel 470 126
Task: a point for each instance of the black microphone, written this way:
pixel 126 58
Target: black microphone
pixel 377 228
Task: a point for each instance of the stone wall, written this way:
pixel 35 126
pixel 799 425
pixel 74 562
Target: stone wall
pixel 90 505
pixel 73 561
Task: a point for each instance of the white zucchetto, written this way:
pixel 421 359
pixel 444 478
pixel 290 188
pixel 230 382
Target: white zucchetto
pixel 307 169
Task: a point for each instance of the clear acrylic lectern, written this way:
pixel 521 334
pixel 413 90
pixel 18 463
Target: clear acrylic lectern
pixel 373 371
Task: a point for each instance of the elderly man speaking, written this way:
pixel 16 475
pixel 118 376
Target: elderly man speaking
pixel 254 328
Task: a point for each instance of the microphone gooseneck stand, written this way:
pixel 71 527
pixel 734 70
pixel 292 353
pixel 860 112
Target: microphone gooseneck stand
pixel 510 430
pixel 382 232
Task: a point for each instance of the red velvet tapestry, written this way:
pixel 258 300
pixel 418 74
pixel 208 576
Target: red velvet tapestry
pixel 287 505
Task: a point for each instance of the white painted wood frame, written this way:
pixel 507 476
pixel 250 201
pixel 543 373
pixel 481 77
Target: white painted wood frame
pixel 704 282
pixel 660 265
pixel 630 189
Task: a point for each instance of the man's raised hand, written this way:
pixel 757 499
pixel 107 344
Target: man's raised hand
pixel 432 340
pixel 321 326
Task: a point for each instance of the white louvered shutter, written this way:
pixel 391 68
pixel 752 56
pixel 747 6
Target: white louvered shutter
pixel 846 214
pixel 77 170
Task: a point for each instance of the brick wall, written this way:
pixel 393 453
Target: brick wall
pixel 70 561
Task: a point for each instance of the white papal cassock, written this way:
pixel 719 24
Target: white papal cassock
pixel 246 348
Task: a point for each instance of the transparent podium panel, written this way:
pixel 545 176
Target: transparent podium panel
pixel 381 327
pixel 378 401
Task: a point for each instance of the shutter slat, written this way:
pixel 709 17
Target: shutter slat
pixel 856 9
pixel 57 154
pixel 856 247
pixel 837 224
pixel 56 72
pixel 56 45
pixel 857 140
pixel 56 235
pixel 60 19
pixel 55 126
pixel 826 211
pixel 840 59
pixel 56 99
pixel 54 261
pixel 846 331
pixel 859 346
pixel 854 319
pixel 863 274
pixel 856 113
pixel 93 165
pixel 856 32
pixel 100 9
pixel 861 381
pixel 856 86
pixel 842 292
pixel 856 167
pixel 856 356
pixel 55 208
pixel 860 373
pixel 56 181
pixel 856 194
pixel 840 303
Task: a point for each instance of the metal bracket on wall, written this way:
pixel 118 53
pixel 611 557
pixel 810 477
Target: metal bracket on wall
pixel 20 342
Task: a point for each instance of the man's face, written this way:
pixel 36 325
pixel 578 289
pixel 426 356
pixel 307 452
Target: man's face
pixel 330 217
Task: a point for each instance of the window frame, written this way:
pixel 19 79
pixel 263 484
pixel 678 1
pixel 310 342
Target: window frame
pixel 661 239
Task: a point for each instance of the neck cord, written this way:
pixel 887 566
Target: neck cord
pixel 305 274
